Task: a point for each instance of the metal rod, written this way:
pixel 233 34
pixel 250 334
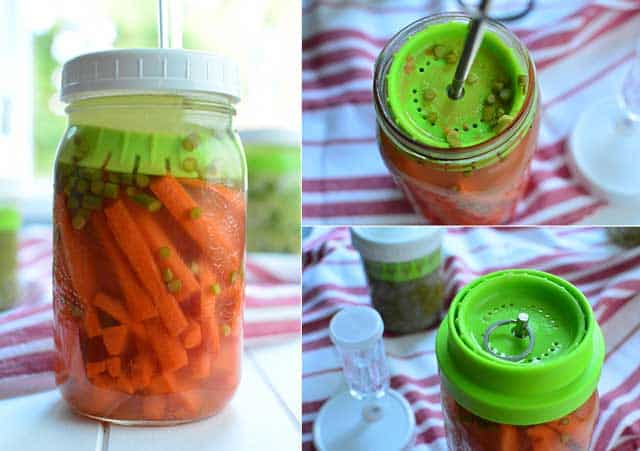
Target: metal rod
pixel 170 23
pixel 471 46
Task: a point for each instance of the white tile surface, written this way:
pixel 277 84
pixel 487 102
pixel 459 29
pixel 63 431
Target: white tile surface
pixel 281 365
pixel 43 422
pixel 255 420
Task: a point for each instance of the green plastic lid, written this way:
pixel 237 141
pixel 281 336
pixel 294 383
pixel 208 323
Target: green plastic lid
pixel 423 68
pixel 129 151
pixel 271 150
pixel 555 373
pixel 9 219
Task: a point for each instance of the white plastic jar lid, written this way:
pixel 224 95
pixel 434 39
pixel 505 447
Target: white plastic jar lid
pixel 356 328
pixel 396 244
pixel 156 71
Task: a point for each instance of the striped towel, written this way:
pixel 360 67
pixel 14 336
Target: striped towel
pixel 609 276
pixel 582 49
pixel 272 312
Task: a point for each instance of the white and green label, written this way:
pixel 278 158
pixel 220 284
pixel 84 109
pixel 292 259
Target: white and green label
pixel 404 271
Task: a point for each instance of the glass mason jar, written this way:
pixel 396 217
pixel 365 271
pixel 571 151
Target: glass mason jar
pixel 273 164
pixel 149 237
pixel 403 266
pixel 457 161
pixel 520 356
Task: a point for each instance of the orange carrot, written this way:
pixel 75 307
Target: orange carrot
pixel 114 366
pixel 80 265
pixel 199 363
pixel 124 384
pixel 209 290
pixel 211 335
pixel 222 196
pixel 95 368
pixel 157 239
pixel 138 302
pixel 205 232
pixel 116 310
pixel 142 369
pixel 115 339
pixel 192 337
pixel 158 384
pixel 168 349
pixel 95 397
pixel 130 241
pixel 153 407
pixel 111 306
pixel 191 400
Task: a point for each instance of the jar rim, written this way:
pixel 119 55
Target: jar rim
pixel 457 156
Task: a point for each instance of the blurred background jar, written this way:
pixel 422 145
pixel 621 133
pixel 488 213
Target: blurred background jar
pixel 273 165
pixel 403 266
pixel 10 221
pixel 624 236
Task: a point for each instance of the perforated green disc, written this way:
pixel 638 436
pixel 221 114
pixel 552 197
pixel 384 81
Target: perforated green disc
pixel 421 72
pixel 560 372
pixel 129 152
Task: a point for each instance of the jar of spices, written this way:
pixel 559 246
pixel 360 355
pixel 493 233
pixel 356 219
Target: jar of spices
pixel 519 355
pixel 403 266
pixel 149 238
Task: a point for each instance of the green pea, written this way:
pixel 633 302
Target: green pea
pixel 142 180
pixel 226 330
pixel 126 179
pixel 195 268
pixel 91 202
pixel 82 186
pixel 113 177
pixel 215 289
pixel 110 190
pixel 429 94
pixel 174 286
pixel 440 51
pixel 189 164
pixel 167 275
pixel 195 213
pixel 97 187
pixel 164 252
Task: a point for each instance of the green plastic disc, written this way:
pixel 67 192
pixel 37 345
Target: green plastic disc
pixel 557 376
pixel 146 153
pixel 422 71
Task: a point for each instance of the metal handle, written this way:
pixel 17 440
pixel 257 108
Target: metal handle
pixel 520 330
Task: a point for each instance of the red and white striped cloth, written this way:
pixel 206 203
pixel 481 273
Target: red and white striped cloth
pixel 272 312
pixel 609 276
pixel 582 49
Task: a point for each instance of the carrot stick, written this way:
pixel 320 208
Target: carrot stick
pixel 112 306
pixel 211 335
pixel 199 363
pixel 138 302
pixel 114 366
pixel 209 290
pixel 205 232
pixel 130 241
pixel 192 337
pixel 158 384
pixel 142 369
pixel 80 265
pixel 95 368
pixel 124 384
pixel 153 407
pixel 230 199
pixel 115 339
pixel 158 240
pixel 169 350
pixel 116 310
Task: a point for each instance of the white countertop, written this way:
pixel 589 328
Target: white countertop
pixel 264 414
